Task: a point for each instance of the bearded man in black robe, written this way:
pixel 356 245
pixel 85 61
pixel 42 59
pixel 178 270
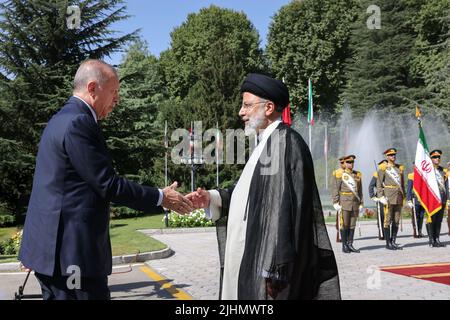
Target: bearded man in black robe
pixel 273 243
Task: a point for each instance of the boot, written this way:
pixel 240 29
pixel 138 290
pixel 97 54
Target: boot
pixel 344 237
pixel 350 241
pixel 387 237
pixel 394 237
pixel 431 241
pixel 419 226
pixel 437 232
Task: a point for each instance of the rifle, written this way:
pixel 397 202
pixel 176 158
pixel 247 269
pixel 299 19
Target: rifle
pixel 377 203
pixel 338 224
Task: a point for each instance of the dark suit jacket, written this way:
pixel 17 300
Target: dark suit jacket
pixel 67 222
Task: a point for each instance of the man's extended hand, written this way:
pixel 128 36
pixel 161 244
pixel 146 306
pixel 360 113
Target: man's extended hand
pixel 200 198
pixel 173 200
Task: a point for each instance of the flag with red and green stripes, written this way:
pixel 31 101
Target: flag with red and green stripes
pixel 425 181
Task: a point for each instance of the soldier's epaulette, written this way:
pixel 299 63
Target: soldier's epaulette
pixel 382 166
pixel 358 174
pixel 375 174
pixel 338 174
pixel 401 167
pixel 411 176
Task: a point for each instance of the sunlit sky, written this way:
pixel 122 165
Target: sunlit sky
pixel 157 19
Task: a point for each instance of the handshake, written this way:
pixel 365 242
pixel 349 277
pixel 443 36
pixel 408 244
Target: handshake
pixel 175 201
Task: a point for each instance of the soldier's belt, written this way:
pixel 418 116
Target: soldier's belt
pixel 392 187
pixel 347 193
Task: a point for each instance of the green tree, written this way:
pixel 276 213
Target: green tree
pixel 379 73
pixel 432 54
pixel 210 54
pixel 309 39
pixel 134 137
pixel 39 55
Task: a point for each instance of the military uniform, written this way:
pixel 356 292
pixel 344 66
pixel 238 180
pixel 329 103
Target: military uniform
pixel 333 184
pixel 434 222
pixel 379 205
pixel 448 201
pixel 348 196
pixel 391 191
pixel 415 206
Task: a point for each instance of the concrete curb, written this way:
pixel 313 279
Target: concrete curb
pixel 142 257
pixel 10 266
pixel 116 260
pixel 150 232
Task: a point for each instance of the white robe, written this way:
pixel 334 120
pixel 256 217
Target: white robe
pixel 237 226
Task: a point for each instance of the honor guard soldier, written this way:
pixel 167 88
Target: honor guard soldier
pixel 448 200
pixel 417 211
pixel 391 191
pixel 333 191
pixel 434 222
pixel 348 199
pixel 379 205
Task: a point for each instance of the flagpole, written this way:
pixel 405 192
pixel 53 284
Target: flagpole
pixel 217 155
pixel 165 147
pixel 326 156
pixel 310 146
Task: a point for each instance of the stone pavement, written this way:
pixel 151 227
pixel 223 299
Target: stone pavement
pixel 128 282
pixel 194 267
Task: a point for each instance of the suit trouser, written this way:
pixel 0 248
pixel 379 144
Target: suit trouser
pixel 392 215
pixel 348 220
pixel 56 288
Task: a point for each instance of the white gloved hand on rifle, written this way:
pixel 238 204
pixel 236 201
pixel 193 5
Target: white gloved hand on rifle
pixel 337 206
pixel 361 211
pixel 383 200
pixel 374 199
pixel 410 204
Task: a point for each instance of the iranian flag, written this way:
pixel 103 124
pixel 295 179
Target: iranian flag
pixel 425 182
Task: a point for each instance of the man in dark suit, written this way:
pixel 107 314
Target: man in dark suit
pixel 66 230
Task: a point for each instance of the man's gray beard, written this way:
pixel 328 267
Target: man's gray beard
pixel 254 124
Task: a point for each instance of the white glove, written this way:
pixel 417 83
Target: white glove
pixel 410 204
pixel 361 207
pixel 383 200
pixel 337 207
pixel 375 199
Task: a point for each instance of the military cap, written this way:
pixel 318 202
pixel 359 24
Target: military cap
pixel 390 152
pixel 435 153
pixel 350 157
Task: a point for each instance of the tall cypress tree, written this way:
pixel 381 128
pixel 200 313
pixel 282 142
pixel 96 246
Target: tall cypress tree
pixel 39 54
pixel 379 74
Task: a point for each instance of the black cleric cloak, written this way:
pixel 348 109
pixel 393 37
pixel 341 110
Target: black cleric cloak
pixel 286 234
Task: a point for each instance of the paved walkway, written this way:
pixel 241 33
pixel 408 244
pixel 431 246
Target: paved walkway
pixel 194 269
pixel 194 266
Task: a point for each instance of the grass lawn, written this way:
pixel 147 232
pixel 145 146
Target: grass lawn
pixel 124 237
pixel 126 240
pixel 6 233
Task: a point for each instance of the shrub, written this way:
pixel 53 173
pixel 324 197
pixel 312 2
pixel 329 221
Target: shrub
pixel 12 245
pixel 124 212
pixel 196 219
pixel 7 221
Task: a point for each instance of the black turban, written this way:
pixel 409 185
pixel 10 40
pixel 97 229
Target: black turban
pixel 267 88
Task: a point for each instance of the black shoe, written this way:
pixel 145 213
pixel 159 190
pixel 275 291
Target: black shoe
pixel 438 243
pixel 351 234
pixel 394 237
pixel 344 239
pixel 431 241
pixel 387 236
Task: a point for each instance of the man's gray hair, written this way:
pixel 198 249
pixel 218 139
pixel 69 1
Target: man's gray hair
pixel 92 70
